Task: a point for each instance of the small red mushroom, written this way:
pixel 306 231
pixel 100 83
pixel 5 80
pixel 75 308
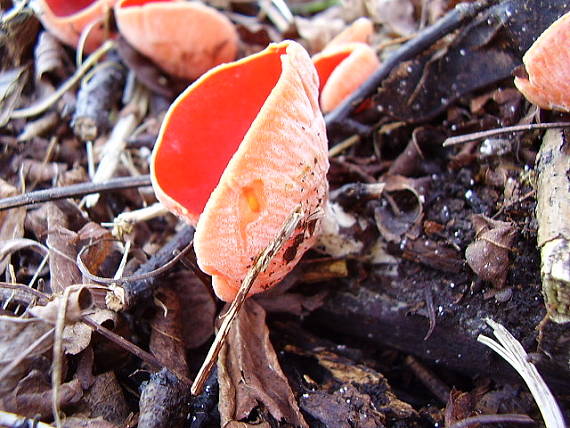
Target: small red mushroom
pixel 66 20
pixel 547 65
pixel 237 153
pixel 345 63
pixel 184 38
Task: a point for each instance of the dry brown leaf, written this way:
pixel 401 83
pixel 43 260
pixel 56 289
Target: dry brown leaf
pixel 397 15
pixel 166 342
pixel 198 308
pixel 11 221
pixel 488 255
pixel 77 336
pixel 249 373
pixel 49 57
pixel 105 400
pixel 32 396
pixel 15 338
pixel 62 244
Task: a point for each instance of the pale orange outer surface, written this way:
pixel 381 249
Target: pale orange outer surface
pixel 547 64
pixel 342 69
pixel 183 38
pixel 262 114
pixel 360 31
pixel 68 27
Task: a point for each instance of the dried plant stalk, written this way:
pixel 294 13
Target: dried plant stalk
pixel 553 215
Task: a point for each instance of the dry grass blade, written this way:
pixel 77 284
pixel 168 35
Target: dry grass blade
pixel 513 352
pixel 259 266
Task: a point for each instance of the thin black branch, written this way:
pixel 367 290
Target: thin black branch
pixel 73 191
pixel 142 289
pixel 424 39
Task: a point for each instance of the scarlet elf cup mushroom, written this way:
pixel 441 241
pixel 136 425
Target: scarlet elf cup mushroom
pixel 345 63
pixel 547 79
pixel 184 38
pixel 238 152
pixel 67 19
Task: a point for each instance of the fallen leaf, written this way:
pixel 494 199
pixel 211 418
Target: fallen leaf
pixel 198 308
pixel 105 399
pixel 62 244
pixel 488 255
pixel 33 395
pixel 11 222
pixel 166 342
pixel 249 373
pixel 15 338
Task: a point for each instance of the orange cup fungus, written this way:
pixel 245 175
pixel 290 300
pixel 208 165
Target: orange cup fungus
pixel 67 19
pixel 345 63
pixel 547 65
pixel 237 153
pixel 184 38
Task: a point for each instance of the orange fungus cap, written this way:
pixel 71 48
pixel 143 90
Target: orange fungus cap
pixel 342 68
pixel 66 20
pixel 184 38
pixel 237 153
pixel 547 65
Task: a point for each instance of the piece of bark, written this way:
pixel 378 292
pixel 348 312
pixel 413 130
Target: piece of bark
pixel 553 216
pixel 164 401
pixel 96 99
pixel 385 311
pixel 11 222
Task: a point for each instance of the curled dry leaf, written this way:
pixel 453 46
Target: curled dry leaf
pixel 11 223
pixel 402 209
pixel 105 400
pixel 15 338
pixel 183 38
pixel 166 341
pixel 249 373
pixel 32 396
pixel 488 255
pixel 198 308
pixel 261 119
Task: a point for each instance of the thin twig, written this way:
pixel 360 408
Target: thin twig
pixel 462 139
pixel 130 347
pixel 259 266
pixel 47 102
pixel 73 191
pixel 140 277
pixel 492 419
pixel 423 40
